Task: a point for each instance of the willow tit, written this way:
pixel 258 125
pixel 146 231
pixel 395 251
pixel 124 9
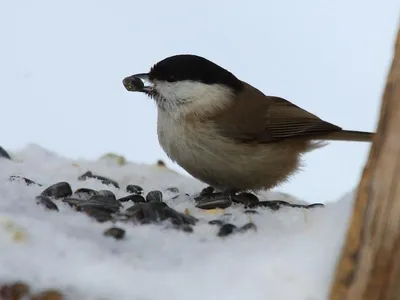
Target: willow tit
pixel 227 133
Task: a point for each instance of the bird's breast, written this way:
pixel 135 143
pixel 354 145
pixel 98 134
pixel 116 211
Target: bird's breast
pixel 184 142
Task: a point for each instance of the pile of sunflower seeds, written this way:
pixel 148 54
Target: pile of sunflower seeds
pixel 146 208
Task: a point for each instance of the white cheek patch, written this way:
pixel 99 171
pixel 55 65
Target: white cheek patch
pixel 189 96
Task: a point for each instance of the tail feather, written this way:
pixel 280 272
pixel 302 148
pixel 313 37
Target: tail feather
pixel 348 135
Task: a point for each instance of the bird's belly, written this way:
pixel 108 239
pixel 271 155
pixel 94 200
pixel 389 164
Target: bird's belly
pixel 224 164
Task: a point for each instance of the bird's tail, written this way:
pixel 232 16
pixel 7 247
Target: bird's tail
pixel 348 135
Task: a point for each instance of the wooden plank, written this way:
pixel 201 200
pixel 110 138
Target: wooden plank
pixel 369 267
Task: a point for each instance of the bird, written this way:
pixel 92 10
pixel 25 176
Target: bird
pixel 227 133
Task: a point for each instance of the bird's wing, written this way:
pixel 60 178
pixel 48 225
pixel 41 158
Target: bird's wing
pixel 254 117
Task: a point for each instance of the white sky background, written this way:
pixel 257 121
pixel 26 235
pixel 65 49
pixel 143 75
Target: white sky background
pixel 62 65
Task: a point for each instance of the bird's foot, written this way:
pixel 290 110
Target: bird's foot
pixel 209 198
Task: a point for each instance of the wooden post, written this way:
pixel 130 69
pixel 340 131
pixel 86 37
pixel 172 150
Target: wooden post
pixel 369 267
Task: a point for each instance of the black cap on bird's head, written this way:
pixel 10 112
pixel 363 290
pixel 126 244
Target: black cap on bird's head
pixel 184 67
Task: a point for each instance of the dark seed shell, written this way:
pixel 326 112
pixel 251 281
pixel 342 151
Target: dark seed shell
pixel 250 212
pixel 226 230
pixel 188 219
pixel 184 228
pixel 106 193
pixel 99 214
pixel 46 202
pixel 103 179
pixel 158 209
pixel 277 204
pixel 115 232
pixel 121 217
pixel 173 190
pixel 133 84
pixel 100 201
pixel 135 212
pixel 4 154
pixel 216 200
pixel 315 205
pixel 134 198
pixel 58 190
pixel 154 196
pixel 134 189
pixel 83 194
pixel 216 222
pixel 73 202
pixel 207 191
pixel 133 208
pixel 152 214
pixel 174 216
pixel 245 198
pixel 273 205
pixel 187 228
pixel 89 204
pixel 156 212
pixel 160 163
pixel 26 180
pixel 247 227
pixel 105 200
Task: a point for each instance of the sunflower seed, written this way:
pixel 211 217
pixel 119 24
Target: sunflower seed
pixel 115 232
pixel 100 214
pixel 245 198
pixel 207 191
pixel 247 227
pixel 251 212
pixel 134 189
pixel 216 222
pixel 134 198
pixel 174 190
pixel 46 202
pixel 103 179
pixel 83 194
pixel 58 190
pixel 226 230
pixel 154 196
pixel 133 84
pixel 216 200
pixel 26 180
pixel 106 193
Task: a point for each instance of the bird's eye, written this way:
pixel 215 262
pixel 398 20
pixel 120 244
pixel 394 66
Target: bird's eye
pixel 171 78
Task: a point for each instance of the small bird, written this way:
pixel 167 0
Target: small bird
pixel 225 132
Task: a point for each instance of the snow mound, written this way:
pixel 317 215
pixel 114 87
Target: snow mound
pixel 292 255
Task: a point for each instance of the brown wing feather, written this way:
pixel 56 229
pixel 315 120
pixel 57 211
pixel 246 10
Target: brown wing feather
pixel 286 120
pixel 268 119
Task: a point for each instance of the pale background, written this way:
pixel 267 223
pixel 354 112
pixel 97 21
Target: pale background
pixel 62 63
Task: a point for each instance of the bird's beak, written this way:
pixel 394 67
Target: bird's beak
pixel 135 83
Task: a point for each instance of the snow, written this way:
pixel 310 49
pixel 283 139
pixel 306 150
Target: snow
pixel 292 255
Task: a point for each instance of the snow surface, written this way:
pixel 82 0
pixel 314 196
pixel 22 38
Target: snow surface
pixel 292 255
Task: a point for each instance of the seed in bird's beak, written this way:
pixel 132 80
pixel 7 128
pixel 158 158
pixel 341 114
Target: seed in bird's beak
pixel 133 84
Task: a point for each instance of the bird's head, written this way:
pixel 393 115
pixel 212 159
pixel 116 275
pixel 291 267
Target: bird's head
pixel 186 83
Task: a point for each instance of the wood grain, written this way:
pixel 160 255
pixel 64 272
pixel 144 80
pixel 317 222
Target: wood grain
pixel 369 267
